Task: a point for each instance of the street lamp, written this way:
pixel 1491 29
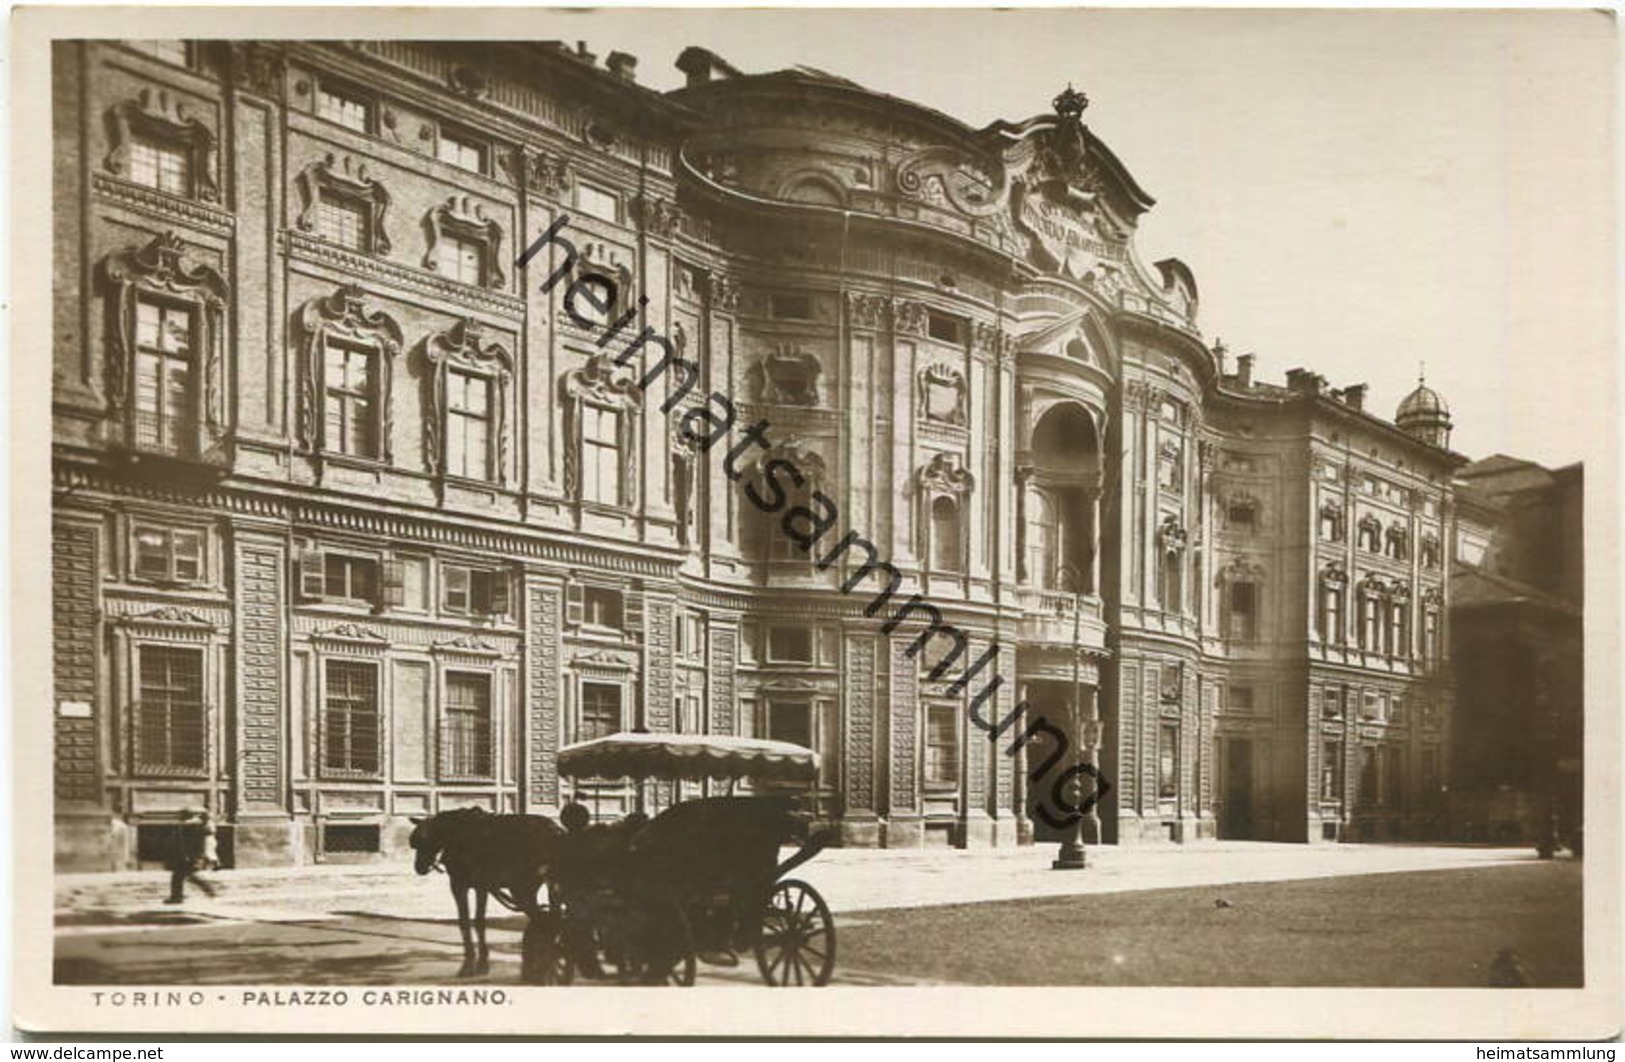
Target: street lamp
pixel 1071 855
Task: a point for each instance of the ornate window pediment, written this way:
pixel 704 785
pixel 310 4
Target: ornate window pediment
pixel 336 328
pixel 457 227
pixel 547 175
pixel 150 289
pixel 945 474
pixel 1370 534
pixel 1171 537
pixel 789 376
pixel 601 403
pixel 347 182
pixel 1334 575
pixel 943 395
pixel 152 118
pixel 465 433
pixel 1241 570
pixel 1373 586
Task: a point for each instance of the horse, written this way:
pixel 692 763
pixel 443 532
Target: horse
pixel 505 856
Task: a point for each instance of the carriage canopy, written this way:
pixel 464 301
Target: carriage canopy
pixel 693 757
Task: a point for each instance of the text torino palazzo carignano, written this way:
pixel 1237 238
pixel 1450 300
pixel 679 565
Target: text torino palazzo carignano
pixel 706 424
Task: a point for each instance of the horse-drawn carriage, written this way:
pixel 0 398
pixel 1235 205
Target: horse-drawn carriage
pixel 644 901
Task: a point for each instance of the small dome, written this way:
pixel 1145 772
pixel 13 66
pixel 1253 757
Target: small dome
pixel 1424 415
pixel 1424 401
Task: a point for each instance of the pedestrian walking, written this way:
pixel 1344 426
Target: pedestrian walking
pixel 187 853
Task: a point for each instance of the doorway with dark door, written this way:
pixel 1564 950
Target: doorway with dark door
pixel 1236 814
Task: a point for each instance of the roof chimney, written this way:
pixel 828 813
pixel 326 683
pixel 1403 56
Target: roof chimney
pixel 1244 370
pixel 1220 351
pixel 1354 396
pixel 623 66
pixel 1305 382
pixel 583 54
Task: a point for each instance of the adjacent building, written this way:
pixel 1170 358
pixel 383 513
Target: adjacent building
pixel 359 515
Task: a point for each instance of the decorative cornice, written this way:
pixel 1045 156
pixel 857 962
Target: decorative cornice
pixel 308 248
pixel 656 216
pixel 864 310
pixel 170 208
pixel 167 617
pixel 351 634
pixel 471 645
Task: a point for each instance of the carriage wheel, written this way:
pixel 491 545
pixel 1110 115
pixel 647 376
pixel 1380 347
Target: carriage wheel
pixel 543 958
pixel 797 943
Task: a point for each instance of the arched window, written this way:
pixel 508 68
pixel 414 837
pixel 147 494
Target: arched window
pixel 1333 591
pixel 1398 543
pixel 947 552
pixel 1370 538
pixel 1373 605
pixel 1331 523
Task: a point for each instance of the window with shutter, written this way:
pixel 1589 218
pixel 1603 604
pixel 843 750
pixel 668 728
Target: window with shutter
pixel 499 593
pixel 394 583
pixel 312 574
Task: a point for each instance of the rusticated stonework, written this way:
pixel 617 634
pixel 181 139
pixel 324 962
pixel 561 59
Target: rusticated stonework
pixel 658 680
pixel 260 682
pixel 724 657
pixel 542 723
pixel 905 706
pixel 74 551
pixel 860 722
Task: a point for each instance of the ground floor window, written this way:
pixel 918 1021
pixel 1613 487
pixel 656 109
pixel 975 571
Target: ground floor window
pixel 170 720
pixel 467 725
pixel 351 723
pixel 600 710
pixel 941 745
pixel 1331 770
pixel 1168 760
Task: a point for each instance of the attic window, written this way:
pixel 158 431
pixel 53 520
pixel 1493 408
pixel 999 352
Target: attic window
pixel 944 328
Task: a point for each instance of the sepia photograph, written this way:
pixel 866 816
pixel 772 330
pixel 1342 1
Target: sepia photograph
pixel 536 505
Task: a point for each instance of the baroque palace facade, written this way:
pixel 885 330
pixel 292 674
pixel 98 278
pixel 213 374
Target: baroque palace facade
pixel 352 522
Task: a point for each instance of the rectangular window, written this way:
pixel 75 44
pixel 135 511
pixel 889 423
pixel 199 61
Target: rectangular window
pixel 467 744
pixel 790 307
pixel 350 719
pixel 1371 623
pixel 461 149
pixel 941 744
pixel 1370 792
pixel 1243 612
pixel 177 52
pixel 1242 516
pixel 600 455
pixel 344 221
pixel 349 382
pixel 945 329
pixel 1430 637
pixel 413 580
pixel 1332 702
pixel 603 607
pixel 163 377
pixel 691 636
pixel 169 718
pixel 1399 631
pixel 600 710
pixel 346 107
pixel 168 555
pixel 690 717
pixel 473 591
pixel 597 203
pixel 466 260
pixel 789 645
pixel 1371 706
pixel 1331 770
pixel 1168 760
pixel 468 425
pixel 161 165
pixel 1331 614
pixel 1241 698
pixel 350 838
pixel 790 721
pixel 350 578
